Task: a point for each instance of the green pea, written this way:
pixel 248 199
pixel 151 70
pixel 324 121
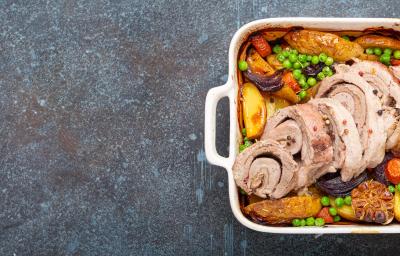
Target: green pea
pixel 398 187
pixel 303 83
pixel 309 57
pixel 332 211
pixel 330 73
pixel 396 54
pixel 325 201
pixel 287 64
pixel 302 94
pixel 346 38
pixel 306 64
pixel 339 202
pixel 347 200
pixel 302 222
pixel 310 221
pixel 369 51
pixel 326 70
pixel 277 49
pixel 314 60
pixel 377 51
pixel 391 189
pixel 244 132
pixel 243 65
pixel 248 143
pixel 280 57
pixel 297 65
pixel 302 58
pixel 297 73
pixel 286 53
pixel 296 223
pixel 387 51
pixel 322 57
pixel 320 75
pixel 292 57
pixel 319 222
pixel 329 61
pixel 336 218
pixel 385 59
pixel 294 51
pixel 311 81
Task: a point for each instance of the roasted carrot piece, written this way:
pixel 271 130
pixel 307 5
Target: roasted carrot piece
pixel 261 45
pixel 324 213
pixel 289 80
pixel 395 62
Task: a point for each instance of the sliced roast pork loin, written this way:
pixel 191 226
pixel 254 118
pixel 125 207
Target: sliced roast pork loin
pixel 347 148
pixel 386 86
pixel 265 169
pixel 301 130
pixel 358 97
pixel 395 71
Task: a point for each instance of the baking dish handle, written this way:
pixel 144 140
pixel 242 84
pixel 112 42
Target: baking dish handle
pixel 214 95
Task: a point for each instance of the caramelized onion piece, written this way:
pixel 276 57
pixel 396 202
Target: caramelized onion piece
pixel 266 83
pixel 333 185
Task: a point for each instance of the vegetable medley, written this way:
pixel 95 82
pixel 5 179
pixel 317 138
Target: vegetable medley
pixel 287 172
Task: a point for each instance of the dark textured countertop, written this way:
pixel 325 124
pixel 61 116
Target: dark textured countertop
pixel 101 128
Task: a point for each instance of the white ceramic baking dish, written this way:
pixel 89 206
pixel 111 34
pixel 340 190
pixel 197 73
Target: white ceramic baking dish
pixel 230 90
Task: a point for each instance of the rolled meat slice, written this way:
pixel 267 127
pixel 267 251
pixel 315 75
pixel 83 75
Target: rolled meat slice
pixel 310 136
pixel 265 169
pixel 387 88
pixel 347 148
pixel 357 96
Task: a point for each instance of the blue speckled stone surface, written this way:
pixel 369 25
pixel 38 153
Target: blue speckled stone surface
pixel 101 128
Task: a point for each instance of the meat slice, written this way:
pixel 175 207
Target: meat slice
pixel 395 71
pixel 265 169
pixel 387 88
pixel 357 96
pixel 347 148
pixel 289 135
pixel 316 146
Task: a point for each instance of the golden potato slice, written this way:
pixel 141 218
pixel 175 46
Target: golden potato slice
pixel 378 41
pixel 257 64
pixel 287 93
pixel 284 210
pixel 273 34
pixel 397 205
pixel 274 62
pixel 274 103
pixel 254 111
pixel 316 42
pixel 346 211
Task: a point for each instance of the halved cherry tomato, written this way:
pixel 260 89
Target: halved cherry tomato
pixel 392 170
pixel 324 213
pixel 395 62
pixel 289 80
pixel 261 45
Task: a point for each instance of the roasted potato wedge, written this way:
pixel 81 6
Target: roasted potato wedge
pixel 274 62
pixel 346 211
pixel 274 103
pixel 287 93
pixel 273 34
pixel 254 111
pixel 316 42
pixel 371 57
pixel 284 210
pixel 397 205
pixel 378 41
pixel 257 64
